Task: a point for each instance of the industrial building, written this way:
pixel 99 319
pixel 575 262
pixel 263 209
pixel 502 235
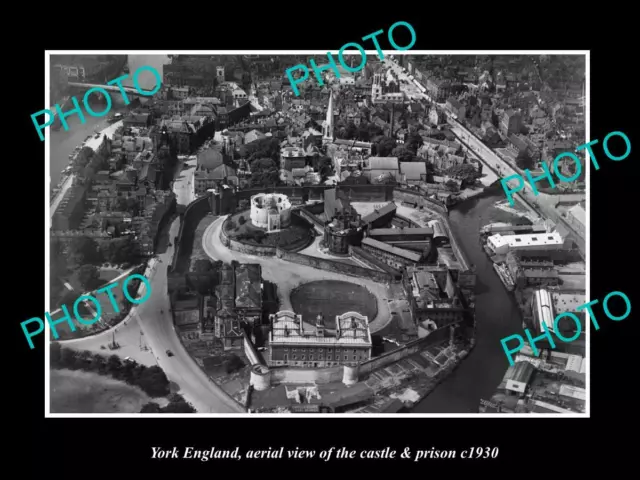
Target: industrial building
pixel 398 258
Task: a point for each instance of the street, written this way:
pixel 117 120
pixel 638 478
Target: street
pixel 289 275
pixel 183 186
pixel 542 205
pixel 152 325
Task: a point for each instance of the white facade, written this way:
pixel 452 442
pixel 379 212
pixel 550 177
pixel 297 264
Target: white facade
pixel 271 211
pixel 501 244
pixel 543 310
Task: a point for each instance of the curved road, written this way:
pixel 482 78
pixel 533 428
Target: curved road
pixel 153 318
pixel 152 325
pixel 288 275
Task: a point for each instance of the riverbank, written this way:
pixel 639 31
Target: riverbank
pixel 497 314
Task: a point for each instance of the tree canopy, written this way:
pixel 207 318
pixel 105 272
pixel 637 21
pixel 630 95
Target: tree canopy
pixel 88 276
pixel 119 250
pixel 403 154
pixel 84 250
pixel 264 172
pixel 384 146
pixel 268 147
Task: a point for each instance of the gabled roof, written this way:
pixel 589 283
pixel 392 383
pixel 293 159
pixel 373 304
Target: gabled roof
pixel 383 163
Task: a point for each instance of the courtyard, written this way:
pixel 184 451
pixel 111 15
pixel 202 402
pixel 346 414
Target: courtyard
pixel 331 298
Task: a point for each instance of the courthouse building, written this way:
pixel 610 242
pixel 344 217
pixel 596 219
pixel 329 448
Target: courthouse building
pixel 292 345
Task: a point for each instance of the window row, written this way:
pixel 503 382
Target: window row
pixel 320 357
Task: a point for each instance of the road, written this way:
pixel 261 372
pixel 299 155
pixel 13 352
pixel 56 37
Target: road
pixel 183 186
pixel 60 195
pixel 542 205
pixel 288 275
pixel 152 325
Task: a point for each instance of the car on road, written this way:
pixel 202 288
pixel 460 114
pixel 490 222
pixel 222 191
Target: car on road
pixel 169 353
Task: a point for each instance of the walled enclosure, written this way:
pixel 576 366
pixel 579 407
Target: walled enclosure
pixel 271 211
pixel 350 375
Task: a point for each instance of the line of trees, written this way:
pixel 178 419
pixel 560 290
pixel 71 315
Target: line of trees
pixel 177 404
pixel 151 380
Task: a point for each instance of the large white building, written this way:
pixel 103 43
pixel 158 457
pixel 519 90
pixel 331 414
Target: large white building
pixel 542 310
pixel 502 244
pixel 271 211
pixel 293 345
pixel 577 218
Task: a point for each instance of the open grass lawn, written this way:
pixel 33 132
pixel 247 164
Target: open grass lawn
pixel 331 298
pixel 86 392
pixel 107 314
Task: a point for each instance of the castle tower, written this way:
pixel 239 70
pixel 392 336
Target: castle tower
pixel 327 126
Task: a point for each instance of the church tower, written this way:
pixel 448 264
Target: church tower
pixel 376 87
pixel 327 126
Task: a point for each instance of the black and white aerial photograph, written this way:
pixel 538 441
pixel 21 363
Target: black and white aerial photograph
pixel 253 235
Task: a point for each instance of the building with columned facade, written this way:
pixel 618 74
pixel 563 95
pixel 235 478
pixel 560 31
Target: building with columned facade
pixel 293 345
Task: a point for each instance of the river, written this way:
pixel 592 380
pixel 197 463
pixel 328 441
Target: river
pixel 62 143
pixel 497 316
pixel 496 312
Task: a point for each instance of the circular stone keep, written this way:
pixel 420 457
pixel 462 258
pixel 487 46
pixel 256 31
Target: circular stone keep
pixel 331 298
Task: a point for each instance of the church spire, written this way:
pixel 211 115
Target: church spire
pixel 327 136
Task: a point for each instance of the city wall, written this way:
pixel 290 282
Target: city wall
pixel 402 195
pixel 356 193
pixel 310 217
pixel 250 350
pixel 336 374
pixel 334 266
pixel 244 247
pixel 192 215
pixel 437 336
pixel 306 375
pixel 374 262
pixel 438 207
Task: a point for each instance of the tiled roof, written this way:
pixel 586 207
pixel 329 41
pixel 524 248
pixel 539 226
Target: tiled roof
pixel 248 286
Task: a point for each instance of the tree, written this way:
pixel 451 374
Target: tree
pixel 385 146
pixel 84 250
pixel 55 354
pixel 351 131
pixel 114 365
pixel 89 172
pixel 233 364
pixel 403 154
pixel 465 172
pixel 133 206
pixel 153 381
pixel 151 407
pixel 524 161
pixel 413 142
pixel 241 220
pixel 177 404
pixel 88 276
pixel 120 250
pixel 451 186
